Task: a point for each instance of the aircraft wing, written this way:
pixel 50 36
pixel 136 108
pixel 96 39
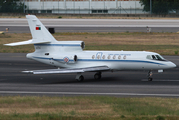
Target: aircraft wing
pixel 74 70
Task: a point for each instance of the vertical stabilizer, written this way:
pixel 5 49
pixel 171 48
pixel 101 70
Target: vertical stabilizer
pixel 38 30
pixel 40 35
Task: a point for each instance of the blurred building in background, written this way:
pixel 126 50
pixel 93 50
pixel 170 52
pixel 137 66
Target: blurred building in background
pixel 84 6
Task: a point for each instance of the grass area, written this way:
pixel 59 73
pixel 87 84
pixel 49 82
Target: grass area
pixel 163 43
pixel 89 108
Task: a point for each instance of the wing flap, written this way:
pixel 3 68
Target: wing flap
pixel 77 70
pixel 95 69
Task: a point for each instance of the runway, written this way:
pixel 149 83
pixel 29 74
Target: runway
pixel 93 25
pixel 16 29
pixel 120 84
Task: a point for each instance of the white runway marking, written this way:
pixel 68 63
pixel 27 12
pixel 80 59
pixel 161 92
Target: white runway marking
pixel 54 25
pixel 83 93
pixel 120 20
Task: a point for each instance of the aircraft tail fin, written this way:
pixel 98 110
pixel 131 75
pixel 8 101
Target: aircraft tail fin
pixel 39 33
pixel 38 30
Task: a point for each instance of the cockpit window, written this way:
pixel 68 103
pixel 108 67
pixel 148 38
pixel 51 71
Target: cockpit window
pixel 149 57
pixel 158 57
pixel 155 57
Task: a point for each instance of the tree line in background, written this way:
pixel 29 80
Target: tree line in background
pixel 11 6
pixel 161 6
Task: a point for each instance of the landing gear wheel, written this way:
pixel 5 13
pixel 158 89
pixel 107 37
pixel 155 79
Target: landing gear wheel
pixel 97 76
pixel 150 79
pixel 80 79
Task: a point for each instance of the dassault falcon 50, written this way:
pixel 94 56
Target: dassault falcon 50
pixel 69 56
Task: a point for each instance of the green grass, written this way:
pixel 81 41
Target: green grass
pixel 162 43
pixel 161 49
pixel 89 108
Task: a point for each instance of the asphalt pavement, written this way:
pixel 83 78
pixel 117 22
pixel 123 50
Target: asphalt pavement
pixel 121 83
pixel 93 25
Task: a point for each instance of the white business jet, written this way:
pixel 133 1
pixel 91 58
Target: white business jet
pixel 69 57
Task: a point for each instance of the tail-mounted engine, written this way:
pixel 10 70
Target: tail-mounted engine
pixel 72 45
pixel 62 46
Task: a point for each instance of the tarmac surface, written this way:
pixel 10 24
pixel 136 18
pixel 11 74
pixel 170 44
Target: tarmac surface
pixel 121 83
pixel 23 29
pixel 93 25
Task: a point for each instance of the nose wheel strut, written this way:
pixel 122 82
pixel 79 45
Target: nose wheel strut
pixel 150 76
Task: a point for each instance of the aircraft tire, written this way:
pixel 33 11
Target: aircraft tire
pixel 97 76
pixel 80 79
pixel 150 79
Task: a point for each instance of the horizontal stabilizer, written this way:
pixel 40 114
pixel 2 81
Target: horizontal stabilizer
pixel 32 41
pixel 75 70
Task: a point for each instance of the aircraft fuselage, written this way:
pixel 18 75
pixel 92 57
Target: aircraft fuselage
pixel 115 60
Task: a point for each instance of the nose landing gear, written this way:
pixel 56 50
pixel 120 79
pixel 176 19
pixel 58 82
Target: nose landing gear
pixel 150 76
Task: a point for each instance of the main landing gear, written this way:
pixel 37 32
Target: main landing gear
pixel 80 77
pixel 97 76
pixel 150 76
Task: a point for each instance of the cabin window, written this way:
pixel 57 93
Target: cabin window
pixel 124 57
pixel 46 53
pixel 93 57
pixel 109 57
pixel 103 56
pixel 114 57
pixel 119 57
pixel 98 56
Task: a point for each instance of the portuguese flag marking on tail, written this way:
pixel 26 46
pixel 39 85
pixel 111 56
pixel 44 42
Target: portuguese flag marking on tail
pixel 38 28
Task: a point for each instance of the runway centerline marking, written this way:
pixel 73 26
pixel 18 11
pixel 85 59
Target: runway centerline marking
pixel 83 93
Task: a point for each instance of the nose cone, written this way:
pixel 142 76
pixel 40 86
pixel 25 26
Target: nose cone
pixel 172 65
